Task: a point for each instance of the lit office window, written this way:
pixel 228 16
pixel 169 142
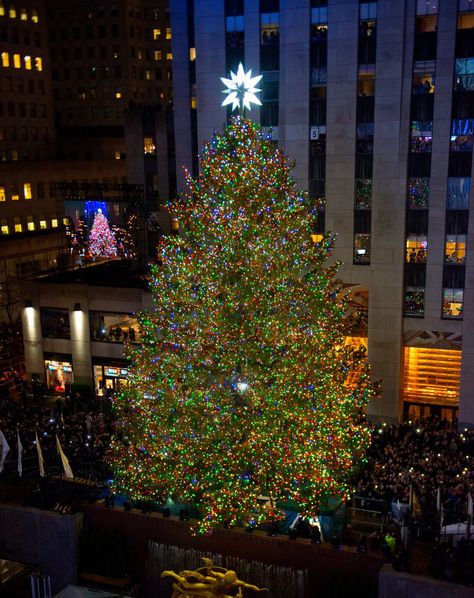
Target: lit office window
pixel 42 223
pixel 168 33
pixel 34 15
pixel 17 226
pixel 452 303
pixel 28 63
pixel 5 59
pixel 157 54
pixel 27 190
pixel 169 56
pixel 156 33
pixel 23 14
pixel 12 12
pixel 416 246
pixel 38 63
pixel 17 61
pixel 149 145
pixel 455 249
pixel 118 94
pixel 192 54
pixel 54 222
pixel 3 195
pixel 4 228
pixel 30 225
pixel 15 193
pixel 2 9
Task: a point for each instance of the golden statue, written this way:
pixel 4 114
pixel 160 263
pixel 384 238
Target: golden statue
pixel 208 582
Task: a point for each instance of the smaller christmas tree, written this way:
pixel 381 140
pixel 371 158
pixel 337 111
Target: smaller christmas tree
pixel 102 239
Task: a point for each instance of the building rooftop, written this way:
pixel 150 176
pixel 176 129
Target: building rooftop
pixel 116 273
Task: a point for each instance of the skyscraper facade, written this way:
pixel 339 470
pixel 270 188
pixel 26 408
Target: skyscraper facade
pixel 374 101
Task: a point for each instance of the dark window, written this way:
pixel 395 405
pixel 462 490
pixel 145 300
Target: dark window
pixel 367 50
pixel 319 54
pixel 55 323
pixel 425 46
pixel 422 106
pixel 270 57
pixel 415 275
pixel 365 109
pixel 362 221
pixel 464 43
pixel 463 105
pixel 363 166
pixel 269 5
pixel 460 164
pixel 417 222
pixel 234 7
pixel 419 165
pixel 317 168
pixel 457 222
pixel 454 277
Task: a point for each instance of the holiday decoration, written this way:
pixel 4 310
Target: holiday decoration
pixel 101 238
pixel 243 387
pixel 241 89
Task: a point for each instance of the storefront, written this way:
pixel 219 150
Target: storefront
pixel 58 372
pixel 110 377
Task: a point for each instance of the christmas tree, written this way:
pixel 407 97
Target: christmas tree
pixel 101 238
pixel 243 386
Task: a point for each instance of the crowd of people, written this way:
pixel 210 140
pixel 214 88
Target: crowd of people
pixel 84 432
pixel 426 455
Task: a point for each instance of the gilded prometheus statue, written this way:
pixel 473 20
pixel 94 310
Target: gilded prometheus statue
pixel 209 582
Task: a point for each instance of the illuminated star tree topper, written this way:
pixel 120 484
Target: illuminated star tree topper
pixel 241 89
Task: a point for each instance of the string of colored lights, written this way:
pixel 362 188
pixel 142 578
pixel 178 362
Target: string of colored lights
pixel 240 387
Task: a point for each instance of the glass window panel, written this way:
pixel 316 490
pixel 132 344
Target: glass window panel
pixel 416 247
pixel 426 7
pixel 319 15
pixel 421 136
pixel 414 301
pixel 455 249
pixel 418 193
pixel 55 322
pixel 113 328
pixel 466 5
pixel 462 130
pixel 453 303
pixel 368 10
pixel 366 80
pixel 363 194
pixel 458 193
pixel 424 76
pixel 464 74
pixel 361 248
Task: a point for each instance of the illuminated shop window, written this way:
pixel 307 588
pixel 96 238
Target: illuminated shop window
pixel 34 15
pixel 149 145
pixel 453 303
pixel 113 327
pixel 455 249
pixel 414 301
pixel 38 63
pixel 3 195
pixel 17 61
pixel 416 247
pixel 27 190
pixel 28 63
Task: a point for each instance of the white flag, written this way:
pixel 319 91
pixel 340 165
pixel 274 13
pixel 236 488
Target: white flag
pixel 5 450
pixel 64 460
pixel 469 504
pixel 40 455
pixel 20 452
